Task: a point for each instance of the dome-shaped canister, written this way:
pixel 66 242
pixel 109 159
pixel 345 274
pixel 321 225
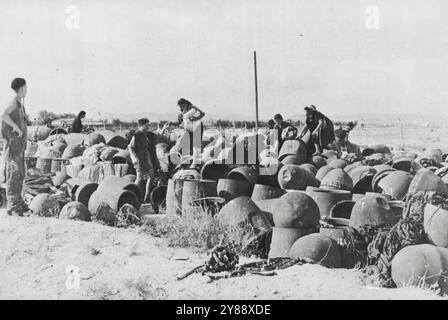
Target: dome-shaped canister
pixel 337 163
pixel 293 147
pixel 310 168
pixel 435 223
pixel 108 153
pixel 352 166
pixel 296 178
pixel 420 264
pixel 45 205
pixel 426 180
pixel 380 174
pixel 337 179
pixel 75 210
pixel 296 209
pixel 241 210
pixel 292 159
pixel 319 248
pixel 322 172
pixel 72 151
pixel 362 177
pixel 318 161
pixel 94 138
pixel 396 184
pixel 371 210
pixel 403 164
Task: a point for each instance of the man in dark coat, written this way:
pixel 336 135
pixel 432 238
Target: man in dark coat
pixel 77 122
pixel 143 153
pixel 320 129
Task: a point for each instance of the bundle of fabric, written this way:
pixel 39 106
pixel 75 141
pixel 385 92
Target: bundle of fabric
pixel 92 154
pixel 38 183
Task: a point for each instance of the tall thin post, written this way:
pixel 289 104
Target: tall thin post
pixel 256 108
pixel 256 91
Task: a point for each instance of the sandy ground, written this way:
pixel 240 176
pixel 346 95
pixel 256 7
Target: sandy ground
pixel 35 254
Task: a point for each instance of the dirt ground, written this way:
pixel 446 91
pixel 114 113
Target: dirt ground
pixel 36 255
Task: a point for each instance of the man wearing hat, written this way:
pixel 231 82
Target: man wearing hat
pixel 280 126
pixel 320 129
pixel 14 133
pixel 143 153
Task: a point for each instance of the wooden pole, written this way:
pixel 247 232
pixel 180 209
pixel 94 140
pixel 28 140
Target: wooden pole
pixel 256 91
pixel 256 108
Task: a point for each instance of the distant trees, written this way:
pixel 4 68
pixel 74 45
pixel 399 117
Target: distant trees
pixel 46 117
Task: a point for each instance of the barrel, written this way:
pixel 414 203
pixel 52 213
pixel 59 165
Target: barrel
pixel 340 213
pixel 56 165
pixel 244 173
pixel 114 198
pixel 121 169
pixel 296 178
pixel 108 168
pixel 44 165
pixel 213 170
pixel 326 199
pixel 196 189
pixel 158 198
pixel 263 192
pixel 115 183
pixel 174 196
pixel 84 192
pixel 230 189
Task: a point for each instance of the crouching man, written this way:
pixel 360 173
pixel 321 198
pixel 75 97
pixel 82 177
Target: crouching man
pixel 14 133
pixel 143 153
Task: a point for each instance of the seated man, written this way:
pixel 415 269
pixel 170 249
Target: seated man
pixel 341 144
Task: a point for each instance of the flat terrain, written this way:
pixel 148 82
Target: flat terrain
pixel 128 264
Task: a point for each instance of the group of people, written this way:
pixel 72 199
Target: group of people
pixel 317 134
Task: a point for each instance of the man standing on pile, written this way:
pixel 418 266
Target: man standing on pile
pixel 143 153
pixel 77 122
pixel 280 126
pixel 320 129
pixel 190 119
pixel 14 133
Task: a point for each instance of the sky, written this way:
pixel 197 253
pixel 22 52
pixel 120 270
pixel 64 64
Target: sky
pixel 132 56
